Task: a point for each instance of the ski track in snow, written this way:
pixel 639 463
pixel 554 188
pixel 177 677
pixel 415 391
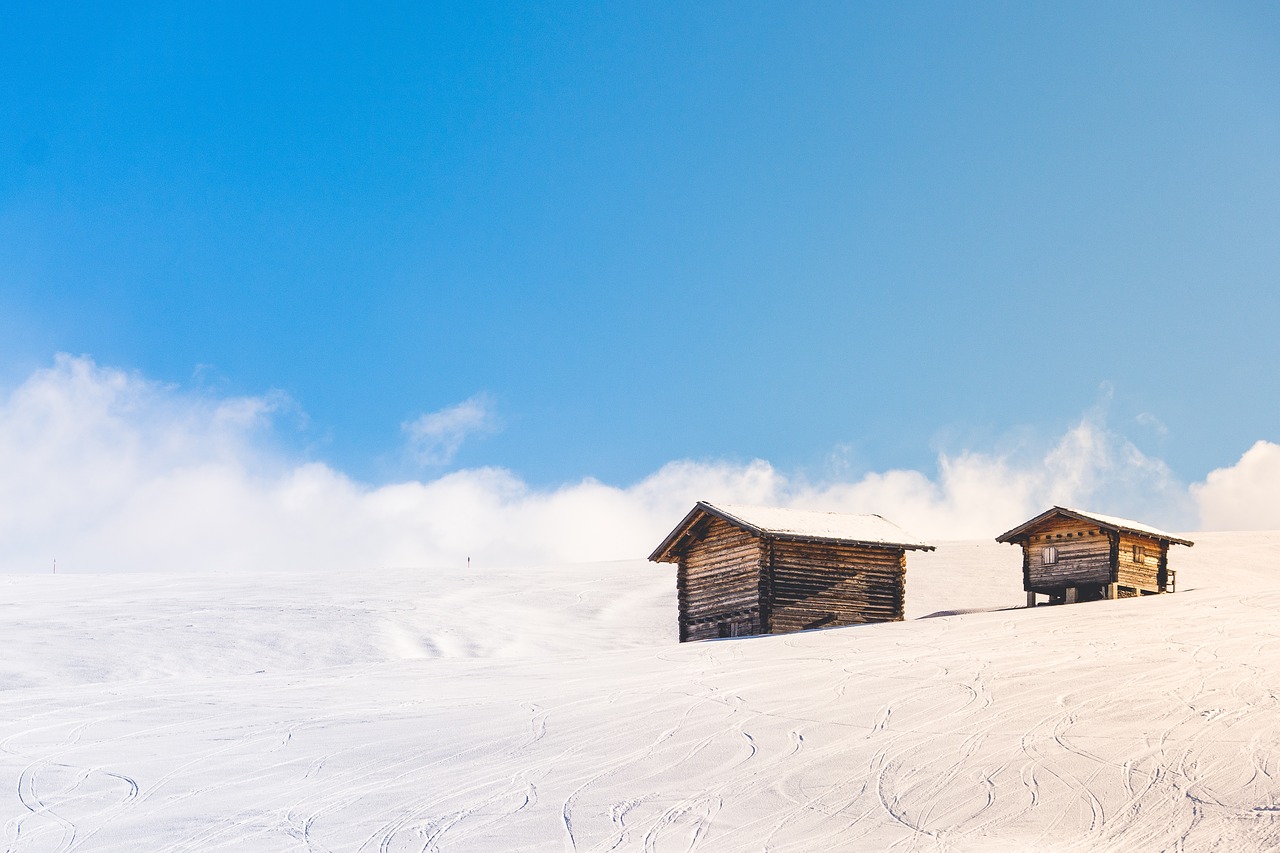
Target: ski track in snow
pixel 571 723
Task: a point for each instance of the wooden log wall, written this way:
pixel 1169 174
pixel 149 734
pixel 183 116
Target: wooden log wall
pixel 1143 574
pixel 816 585
pixel 1084 555
pixel 718 584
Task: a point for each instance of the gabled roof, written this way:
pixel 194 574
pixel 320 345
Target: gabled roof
pixel 796 525
pixel 1110 522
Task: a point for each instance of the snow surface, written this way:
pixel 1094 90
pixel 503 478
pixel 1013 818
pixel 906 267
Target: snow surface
pixel 551 709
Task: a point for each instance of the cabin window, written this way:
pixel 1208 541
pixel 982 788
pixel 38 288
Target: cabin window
pixel 1139 554
pixel 1048 555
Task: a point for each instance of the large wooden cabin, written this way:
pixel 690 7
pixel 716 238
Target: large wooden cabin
pixel 1069 555
pixel 747 570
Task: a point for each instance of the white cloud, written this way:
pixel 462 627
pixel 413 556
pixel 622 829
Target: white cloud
pixel 1152 422
pixel 979 495
pixel 104 469
pixel 1244 496
pixel 434 438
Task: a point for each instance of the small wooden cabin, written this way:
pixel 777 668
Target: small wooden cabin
pixel 745 570
pixel 1069 555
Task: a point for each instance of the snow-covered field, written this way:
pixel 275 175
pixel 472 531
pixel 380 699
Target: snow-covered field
pixel 551 709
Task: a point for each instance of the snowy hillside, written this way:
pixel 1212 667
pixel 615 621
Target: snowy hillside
pixel 550 708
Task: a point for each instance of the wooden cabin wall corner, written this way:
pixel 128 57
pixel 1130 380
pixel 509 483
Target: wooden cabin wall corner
pixel 766 586
pixel 682 601
pixel 1114 536
pixel 902 585
pixel 1026 566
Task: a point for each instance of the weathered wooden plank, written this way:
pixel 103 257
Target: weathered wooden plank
pixel 823 585
pixel 719 582
pixel 1088 554
pixel 1140 571
pixel 732 581
pixel 1083 552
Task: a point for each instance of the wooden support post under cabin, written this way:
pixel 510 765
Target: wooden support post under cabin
pixel 1031 599
pixel 1113 591
pixel 1072 595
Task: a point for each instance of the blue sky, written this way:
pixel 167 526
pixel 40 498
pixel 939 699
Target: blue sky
pixel 644 233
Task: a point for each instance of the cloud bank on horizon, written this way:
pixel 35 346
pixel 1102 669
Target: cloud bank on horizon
pixel 106 470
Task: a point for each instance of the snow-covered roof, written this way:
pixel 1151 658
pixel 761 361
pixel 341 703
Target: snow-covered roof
pixel 798 524
pixel 811 524
pixel 1109 521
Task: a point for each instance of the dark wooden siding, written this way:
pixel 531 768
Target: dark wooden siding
pixel 719 584
pixel 816 585
pixel 1084 555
